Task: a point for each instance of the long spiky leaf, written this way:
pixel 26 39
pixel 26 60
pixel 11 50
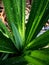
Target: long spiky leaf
pixel 40 11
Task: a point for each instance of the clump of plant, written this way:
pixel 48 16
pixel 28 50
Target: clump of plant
pixel 19 44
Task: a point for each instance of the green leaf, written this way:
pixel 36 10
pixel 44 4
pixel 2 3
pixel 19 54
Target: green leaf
pixel 5 56
pixel 9 11
pixel 44 19
pixel 19 13
pixel 17 37
pixel 39 42
pixel 23 3
pixel 16 9
pixel 14 61
pixel 32 61
pixel 35 19
pixel 5 30
pixel 15 12
pixel 6 45
pixel 38 57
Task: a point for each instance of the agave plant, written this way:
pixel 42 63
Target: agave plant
pixel 19 44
